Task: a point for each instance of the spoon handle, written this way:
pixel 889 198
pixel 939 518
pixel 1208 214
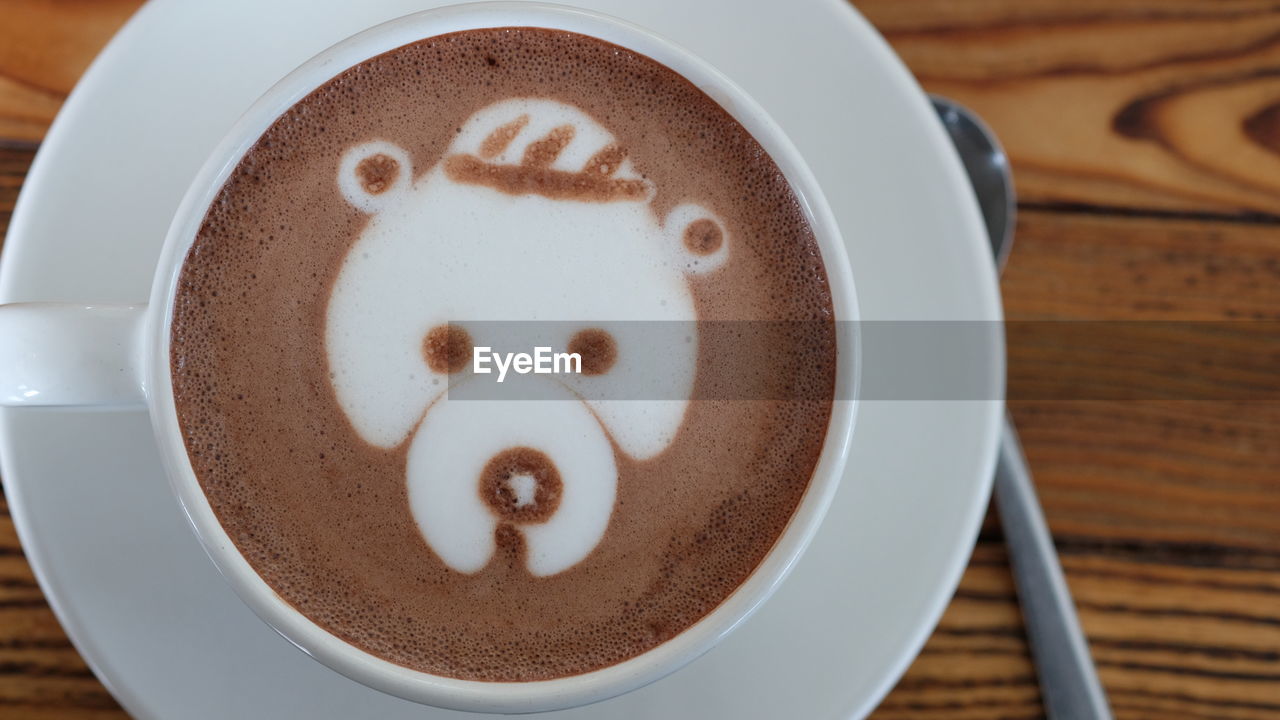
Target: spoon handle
pixel 1068 680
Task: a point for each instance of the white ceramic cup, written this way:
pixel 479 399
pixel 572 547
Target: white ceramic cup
pixel 82 355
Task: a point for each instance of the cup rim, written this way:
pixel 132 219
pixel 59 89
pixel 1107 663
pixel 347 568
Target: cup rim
pixel 443 691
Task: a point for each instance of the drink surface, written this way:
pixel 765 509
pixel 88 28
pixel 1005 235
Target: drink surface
pixel 521 175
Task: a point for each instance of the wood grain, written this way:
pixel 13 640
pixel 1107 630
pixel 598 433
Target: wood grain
pixel 1144 140
pixel 45 45
pixel 1167 514
pixel 1121 103
pixel 1145 135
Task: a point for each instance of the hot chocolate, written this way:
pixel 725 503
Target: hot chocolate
pixel 522 175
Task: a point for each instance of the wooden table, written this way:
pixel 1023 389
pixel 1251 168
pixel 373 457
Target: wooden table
pixel 1145 136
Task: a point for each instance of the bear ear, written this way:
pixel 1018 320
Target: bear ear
pixel 699 238
pixel 373 174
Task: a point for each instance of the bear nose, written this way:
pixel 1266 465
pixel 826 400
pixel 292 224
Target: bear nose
pixel 521 485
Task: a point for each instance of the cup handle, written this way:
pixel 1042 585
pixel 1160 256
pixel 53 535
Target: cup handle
pixel 65 354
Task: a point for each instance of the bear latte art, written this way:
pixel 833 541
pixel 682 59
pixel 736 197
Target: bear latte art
pixel 328 309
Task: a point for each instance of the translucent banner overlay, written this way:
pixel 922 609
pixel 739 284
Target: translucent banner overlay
pixel 896 360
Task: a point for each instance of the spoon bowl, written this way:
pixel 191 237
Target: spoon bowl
pixel 988 169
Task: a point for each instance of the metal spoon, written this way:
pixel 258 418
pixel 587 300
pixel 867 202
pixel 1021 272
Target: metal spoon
pixel 1068 680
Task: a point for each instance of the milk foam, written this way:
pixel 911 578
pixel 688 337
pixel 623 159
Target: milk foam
pixel 524 488
pixel 437 250
pixel 449 452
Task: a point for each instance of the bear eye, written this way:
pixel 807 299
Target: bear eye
pixel 597 348
pixel 447 348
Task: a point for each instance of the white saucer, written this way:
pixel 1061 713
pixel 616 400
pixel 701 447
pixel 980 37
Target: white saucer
pixel 143 603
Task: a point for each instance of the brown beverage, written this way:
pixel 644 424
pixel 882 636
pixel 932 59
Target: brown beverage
pixel 310 336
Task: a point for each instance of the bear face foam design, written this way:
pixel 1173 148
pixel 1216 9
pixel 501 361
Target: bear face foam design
pixel 533 214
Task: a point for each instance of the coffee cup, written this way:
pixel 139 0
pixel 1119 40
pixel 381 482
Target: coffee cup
pixel 86 355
